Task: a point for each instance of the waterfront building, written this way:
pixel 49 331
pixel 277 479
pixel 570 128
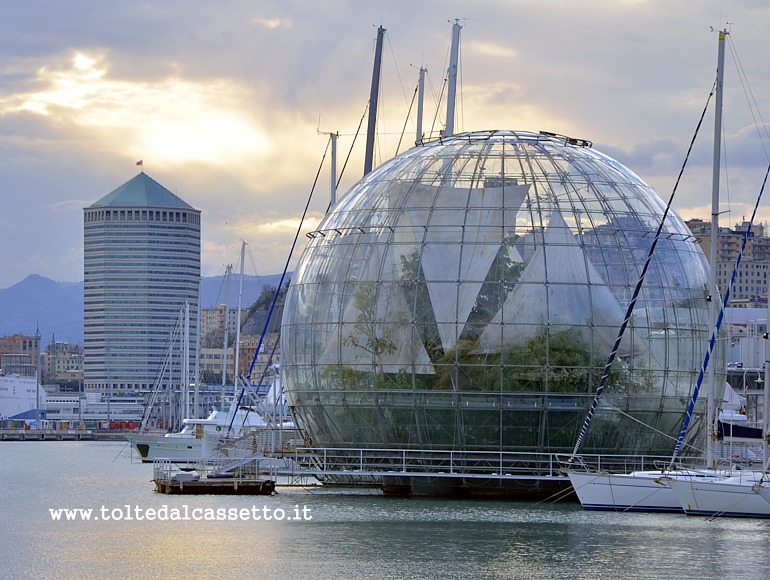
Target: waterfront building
pixel 270 352
pixel 213 322
pixel 211 365
pixel 18 343
pixel 63 362
pixel 141 274
pixel 465 295
pixel 76 409
pixel 269 355
pixel 751 278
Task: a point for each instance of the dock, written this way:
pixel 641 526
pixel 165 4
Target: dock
pixel 402 472
pixel 237 478
pixel 60 435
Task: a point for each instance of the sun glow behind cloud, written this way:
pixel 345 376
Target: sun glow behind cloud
pixel 491 49
pixel 222 102
pixel 273 23
pixel 272 236
pixel 171 120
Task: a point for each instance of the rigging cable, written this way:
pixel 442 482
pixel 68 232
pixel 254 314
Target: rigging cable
pixel 409 112
pixel 715 330
pixel 436 100
pixel 280 283
pixel 438 107
pixel 350 151
pixel 752 101
pixel 403 93
pixel 637 289
pixel 441 94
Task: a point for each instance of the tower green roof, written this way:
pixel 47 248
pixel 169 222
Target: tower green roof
pixel 142 191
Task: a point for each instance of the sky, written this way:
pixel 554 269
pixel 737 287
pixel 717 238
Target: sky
pixel 229 104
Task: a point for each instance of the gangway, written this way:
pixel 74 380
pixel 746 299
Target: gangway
pixel 326 463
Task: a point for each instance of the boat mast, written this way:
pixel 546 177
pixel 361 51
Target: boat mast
pixel 766 390
pixel 333 189
pixel 197 372
pixel 420 103
pixel 452 75
pixel 186 362
pixel 236 374
pixel 228 272
pixel 713 290
pixel 373 95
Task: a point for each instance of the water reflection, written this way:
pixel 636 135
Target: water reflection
pixel 361 535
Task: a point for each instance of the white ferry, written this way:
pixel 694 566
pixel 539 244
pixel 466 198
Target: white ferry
pixel 21 395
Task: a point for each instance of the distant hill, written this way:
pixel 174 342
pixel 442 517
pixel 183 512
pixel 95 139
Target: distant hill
pixel 40 303
pixel 214 288
pixel 56 308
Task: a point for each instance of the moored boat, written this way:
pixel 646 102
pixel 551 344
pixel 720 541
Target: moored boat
pixel 641 491
pixel 736 496
pixel 186 445
pixel 21 395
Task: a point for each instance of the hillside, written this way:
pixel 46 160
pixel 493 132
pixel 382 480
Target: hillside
pixel 56 308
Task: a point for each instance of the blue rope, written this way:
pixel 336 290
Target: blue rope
pixel 712 340
pixel 637 289
pixel 278 290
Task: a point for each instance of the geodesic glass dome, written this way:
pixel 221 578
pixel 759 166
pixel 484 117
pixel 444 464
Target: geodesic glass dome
pixel 466 295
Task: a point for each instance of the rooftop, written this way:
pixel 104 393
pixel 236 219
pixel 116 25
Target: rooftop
pixel 142 191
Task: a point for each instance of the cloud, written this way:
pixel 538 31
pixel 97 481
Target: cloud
pixel 222 102
pixel 491 49
pixel 171 121
pixel 273 23
pixel 70 204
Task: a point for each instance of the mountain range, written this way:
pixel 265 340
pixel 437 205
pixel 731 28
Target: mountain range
pixel 55 309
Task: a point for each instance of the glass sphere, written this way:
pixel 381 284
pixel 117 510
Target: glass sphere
pixel 467 293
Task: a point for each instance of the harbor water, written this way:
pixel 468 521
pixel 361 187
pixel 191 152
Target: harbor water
pixel 135 532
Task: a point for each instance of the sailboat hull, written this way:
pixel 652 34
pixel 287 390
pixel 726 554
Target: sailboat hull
pixel 639 491
pixel 764 492
pixel 734 496
pixel 647 492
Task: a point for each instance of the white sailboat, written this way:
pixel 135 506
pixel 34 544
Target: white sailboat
pixel 638 491
pixel 737 495
pixel 743 494
pixel 651 491
pixel 763 489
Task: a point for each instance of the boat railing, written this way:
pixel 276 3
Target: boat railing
pixel 365 464
pixel 243 470
pixel 444 463
pixel 600 463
